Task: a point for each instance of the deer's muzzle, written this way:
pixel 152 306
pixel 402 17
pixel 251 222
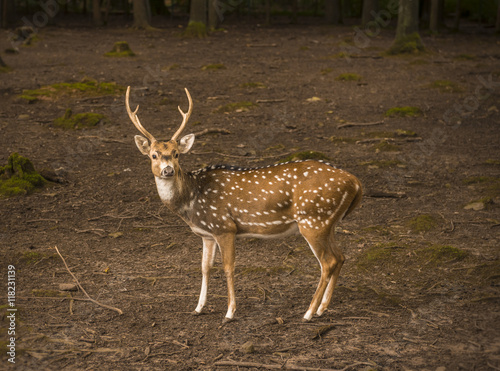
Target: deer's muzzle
pixel 167 171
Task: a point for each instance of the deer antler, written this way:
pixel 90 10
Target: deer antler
pixel 135 119
pixel 185 116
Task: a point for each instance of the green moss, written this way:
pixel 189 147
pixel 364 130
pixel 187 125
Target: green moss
pixel 336 139
pixel 326 71
pixel 348 77
pixel 80 120
pixel 120 49
pixel 86 86
pixel 385 146
pixel 442 253
pixel 405 111
pixel 236 107
pixel 19 177
pixel 196 29
pixel 410 44
pixel 465 57
pixel 446 86
pixel 422 223
pixel 214 67
pixel 479 180
pixel 253 85
pixel 304 155
pixel 419 62
pixel 373 256
pixel 491 161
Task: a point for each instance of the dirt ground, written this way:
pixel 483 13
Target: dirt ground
pixel 419 289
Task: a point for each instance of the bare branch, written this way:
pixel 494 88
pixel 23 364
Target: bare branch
pixel 83 290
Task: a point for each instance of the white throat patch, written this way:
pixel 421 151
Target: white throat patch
pixel 166 188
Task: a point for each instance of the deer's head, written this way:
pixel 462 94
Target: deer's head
pixel 164 155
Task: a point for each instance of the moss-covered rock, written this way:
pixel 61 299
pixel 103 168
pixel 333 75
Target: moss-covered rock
pixel 80 120
pixel 19 177
pixel 120 49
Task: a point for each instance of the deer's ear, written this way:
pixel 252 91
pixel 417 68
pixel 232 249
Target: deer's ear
pixel 143 144
pixel 186 143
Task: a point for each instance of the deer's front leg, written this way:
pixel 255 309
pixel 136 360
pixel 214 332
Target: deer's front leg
pixel 226 245
pixel 207 263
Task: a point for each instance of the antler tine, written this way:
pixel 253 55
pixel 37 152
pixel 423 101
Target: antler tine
pixel 135 119
pixel 185 116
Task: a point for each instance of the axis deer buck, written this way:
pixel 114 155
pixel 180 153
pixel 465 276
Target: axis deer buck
pixel 220 203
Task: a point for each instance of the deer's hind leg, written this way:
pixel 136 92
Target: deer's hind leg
pixel 339 258
pixel 329 261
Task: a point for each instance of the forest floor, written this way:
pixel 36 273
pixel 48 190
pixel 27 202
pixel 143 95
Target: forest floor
pixel 420 286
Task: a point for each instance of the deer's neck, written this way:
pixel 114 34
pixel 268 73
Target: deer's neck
pixel 175 192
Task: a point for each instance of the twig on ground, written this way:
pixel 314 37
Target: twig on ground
pixel 349 124
pixel 288 367
pixel 211 131
pixel 83 290
pixel 270 100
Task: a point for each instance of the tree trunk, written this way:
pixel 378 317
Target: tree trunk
pixel 333 11
pixel 141 15
pixel 436 19
pixel 370 9
pixel 96 13
pixel 497 25
pixel 8 13
pixel 407 37
pixel 407 18
pixel 456 21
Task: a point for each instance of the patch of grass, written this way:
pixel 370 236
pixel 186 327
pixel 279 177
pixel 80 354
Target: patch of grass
pixel 86 86
pixel 446 86
pixel 422 223
pixel 405 133
pixel 410 44
pixel 385 146
pixel 80 120
pixel 31 257
pixel 236 107
pixel 348 77
pixel 382 164
pixel 442 253
pixel 375 255
pixel 304 155
pixel 253 85
pixel 465 57
pixel 336 139
pixel 172 67
pixel 406 111
pixel 196 29
pixel 19 177
pixel 120 49
pixel 479 180
pixel 491 161
pixel 326 71
pixel 213 67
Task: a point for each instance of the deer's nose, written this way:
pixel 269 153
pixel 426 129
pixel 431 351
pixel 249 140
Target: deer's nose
pixel 167 171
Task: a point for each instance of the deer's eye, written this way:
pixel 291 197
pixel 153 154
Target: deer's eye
pixel 176 155
pixel 154 157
